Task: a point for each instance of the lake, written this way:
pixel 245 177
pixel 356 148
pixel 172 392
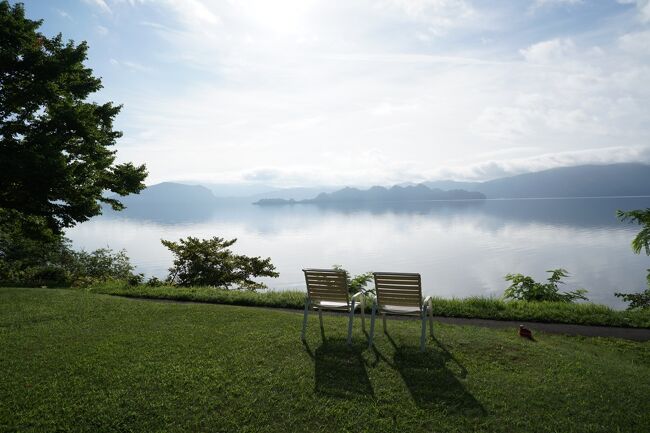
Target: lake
pixel 461 248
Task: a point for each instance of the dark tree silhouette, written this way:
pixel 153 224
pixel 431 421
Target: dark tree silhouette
pixel 56 160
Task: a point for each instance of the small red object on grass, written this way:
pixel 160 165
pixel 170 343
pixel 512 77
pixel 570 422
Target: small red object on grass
pixel 525 332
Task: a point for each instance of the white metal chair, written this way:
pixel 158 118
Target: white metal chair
pixel 327 289
pixel 400 294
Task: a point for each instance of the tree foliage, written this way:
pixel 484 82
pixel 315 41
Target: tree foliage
pixel 357 283
pixel 642 217
pixel 640 242
pixel 30 253
pixel 636 300
pixel 210 262
pixel 56 160
pixel 527 289
pixel 47 259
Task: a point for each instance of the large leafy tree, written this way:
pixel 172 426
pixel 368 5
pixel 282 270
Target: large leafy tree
pixel 56 158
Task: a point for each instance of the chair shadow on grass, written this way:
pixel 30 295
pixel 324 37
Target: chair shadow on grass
pixel 340 370
pixel 430 381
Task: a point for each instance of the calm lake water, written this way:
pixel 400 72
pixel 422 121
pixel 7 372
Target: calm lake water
pixel 460 248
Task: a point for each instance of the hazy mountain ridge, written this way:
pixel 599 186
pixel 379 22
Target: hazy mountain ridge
pixel 397 193
pixel 629 179
pixel 298 193
pixel 260 191
pixel 382 194
pixel 171 193
pixel 168 201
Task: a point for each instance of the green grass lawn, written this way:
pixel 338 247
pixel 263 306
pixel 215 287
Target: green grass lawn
pixel 78 361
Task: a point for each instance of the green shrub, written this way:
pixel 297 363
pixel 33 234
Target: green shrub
pixel 35 258
pixel 640 242
pixel 209 262
pixel 640 301
pixel 155 282
pixel 47 275
pixel 527 289
pixel 357 283
pixel 100 265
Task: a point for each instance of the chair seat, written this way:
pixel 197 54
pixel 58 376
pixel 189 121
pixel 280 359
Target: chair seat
pixel 400 310
pixel 332 305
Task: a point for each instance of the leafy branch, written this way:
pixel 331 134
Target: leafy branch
pixel 525 288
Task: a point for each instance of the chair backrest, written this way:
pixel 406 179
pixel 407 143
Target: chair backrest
pixel 398 289
pixel 328 285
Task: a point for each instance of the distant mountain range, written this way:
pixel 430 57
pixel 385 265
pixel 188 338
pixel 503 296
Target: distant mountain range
pixel 300 193
pixel 630 179
pixel 381 194
pixel 169 192
pixel 579 181
pixel 169 202
pixel 257 191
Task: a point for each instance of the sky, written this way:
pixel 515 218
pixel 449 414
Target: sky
pixel 358 92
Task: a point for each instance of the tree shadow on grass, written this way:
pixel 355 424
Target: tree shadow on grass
pixel 430 381
pixel 340 370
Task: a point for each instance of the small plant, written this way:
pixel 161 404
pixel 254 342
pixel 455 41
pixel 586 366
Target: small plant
pixel 154 282
pixel 640 242
pixel 525 288
pixel 357 283
pixel 210 262
pixel 640 301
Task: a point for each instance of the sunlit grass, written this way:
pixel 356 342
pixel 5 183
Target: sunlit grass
pixel 77 361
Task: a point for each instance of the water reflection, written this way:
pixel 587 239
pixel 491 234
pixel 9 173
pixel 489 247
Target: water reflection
pixel 460 248
pixel 576 212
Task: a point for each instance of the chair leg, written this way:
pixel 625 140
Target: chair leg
pixel 304 320
pixel 372 325
pixel 350 323
pixel 424 329
pixel 430 310
pixel 320 318
pixel 363 314
pixel 383 318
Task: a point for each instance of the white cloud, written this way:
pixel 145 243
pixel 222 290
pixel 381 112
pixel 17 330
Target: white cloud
pixel 643 6
pixel 344 93
pixel 64 14
pixel 103 31
pixel 542 3
pixel 189 13
pixel 100 4
pixel 568 2
pixel 192 12
pixel 637 43
pixel 134 66
pixel 399 171
pixel 493 169
pixel 550 51
pixel 439 15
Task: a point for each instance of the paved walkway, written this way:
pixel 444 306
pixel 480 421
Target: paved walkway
pixel 636 334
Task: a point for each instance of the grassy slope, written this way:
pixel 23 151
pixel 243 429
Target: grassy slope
pixel 75 361
pixel 484 308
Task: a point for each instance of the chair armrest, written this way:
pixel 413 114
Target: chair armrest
pixel 427 300
pixel 357 295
